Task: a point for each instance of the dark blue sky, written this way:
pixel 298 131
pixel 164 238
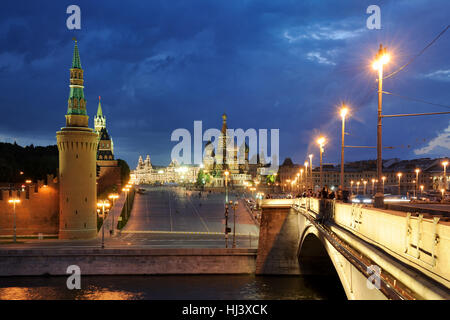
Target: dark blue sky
pixel 160 65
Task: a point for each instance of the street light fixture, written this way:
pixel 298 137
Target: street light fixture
pixel 445 164
pixel 321 142
pixel 382 58
pixel 226 173
pixel 399 175
pixel 365 184
pixel 357 187
pixel 234 221
pixel 417 181
pixel 113 197
pixel 344 112
pixel 14 201
pixel 103 204
pixel 351 187
pixel 310 171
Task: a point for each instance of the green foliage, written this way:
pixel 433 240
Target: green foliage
pixel 203 178
pixel 126 211
pixel 124 171
pixel 34 162
pixel 270 178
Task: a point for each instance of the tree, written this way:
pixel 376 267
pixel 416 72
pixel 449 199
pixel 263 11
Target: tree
pixel 124 170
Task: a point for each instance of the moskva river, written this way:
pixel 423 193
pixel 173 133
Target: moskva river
pixel 201 287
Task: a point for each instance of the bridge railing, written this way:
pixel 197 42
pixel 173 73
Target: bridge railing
pixel 421 239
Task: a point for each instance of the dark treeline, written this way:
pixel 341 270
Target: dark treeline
pixel 34 162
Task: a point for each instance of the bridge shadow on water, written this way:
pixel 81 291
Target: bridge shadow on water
pixel 318 270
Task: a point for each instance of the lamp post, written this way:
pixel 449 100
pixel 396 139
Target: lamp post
pixel 373 186
pixel 383 178
pixel 417 181
pixel 321 142
pixel 381 59
pixel 126 198
pixel 357 187
pixel 344 112
pixel 365 184
pixel 310 171
pixel 399 175
pixel 444 180
pixel 306 175
pixel 226 173
pixel 351 187
pixel 103 204
pixel 234 222
pixel 113 197
pixel 14 201
pixel 226 225
pixel 421 189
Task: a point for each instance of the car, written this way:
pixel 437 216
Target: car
pixel 361 199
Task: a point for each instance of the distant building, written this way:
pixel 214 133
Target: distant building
pixel 430 175
pixel 108 170
pixel 226 157
pixel 146 173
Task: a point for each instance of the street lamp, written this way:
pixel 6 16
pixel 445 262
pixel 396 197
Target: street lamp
pixel 103 204
pixel 14 201
pixel 310 171
pixel 357 187
pixel 417 181
pixel 382 58
pixel 365 184
pixel 226 173
pixel 373 187
pixel 344 112
pixel 399 175
pixel 383 178
pixel 321 142
pixel 445 164
pixel 306 175
pixel 113 197
pixel 351 186
pixel 421 189
pixel 126 198
pixel 234 221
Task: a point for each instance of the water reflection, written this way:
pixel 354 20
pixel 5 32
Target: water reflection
pixel 205 287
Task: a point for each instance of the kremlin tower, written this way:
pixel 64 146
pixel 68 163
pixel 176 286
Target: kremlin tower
pixel 77 146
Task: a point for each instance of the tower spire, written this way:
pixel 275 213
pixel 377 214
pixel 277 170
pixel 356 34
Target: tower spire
pixel 76 62
pixel 76 102
pixel 99 109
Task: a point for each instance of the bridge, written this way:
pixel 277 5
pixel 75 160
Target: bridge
pixel 377 254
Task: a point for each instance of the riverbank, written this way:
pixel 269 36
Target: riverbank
pixel 127 261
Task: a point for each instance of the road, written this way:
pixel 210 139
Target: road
pixel 172 215
pixel 167 217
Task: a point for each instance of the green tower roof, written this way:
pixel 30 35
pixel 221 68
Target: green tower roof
pixel 76 62
pixel 99 109
pixel 77 102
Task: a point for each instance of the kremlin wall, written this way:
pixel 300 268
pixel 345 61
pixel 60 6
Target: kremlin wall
pixel 66 207
pixel 37 212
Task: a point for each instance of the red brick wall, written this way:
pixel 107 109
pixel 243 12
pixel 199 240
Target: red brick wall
pixel 38 214
pixel 109 175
